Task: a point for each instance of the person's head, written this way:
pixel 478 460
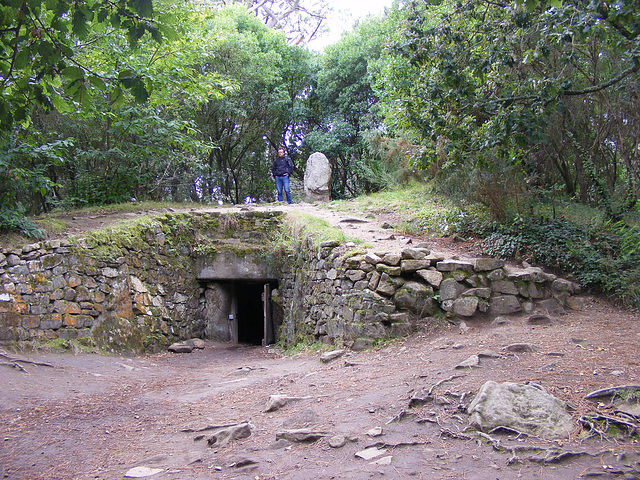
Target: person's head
pixel 281 152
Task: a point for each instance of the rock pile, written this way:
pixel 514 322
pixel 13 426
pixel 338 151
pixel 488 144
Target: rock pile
pixel 360 296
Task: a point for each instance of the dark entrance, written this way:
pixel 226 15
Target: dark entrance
pixel 253 313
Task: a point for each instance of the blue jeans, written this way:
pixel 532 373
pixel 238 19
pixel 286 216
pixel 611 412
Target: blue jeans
pixel 282 183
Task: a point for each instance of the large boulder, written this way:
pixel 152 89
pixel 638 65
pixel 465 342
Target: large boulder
pixel 317 179
pixel 414 297
pixel 524 408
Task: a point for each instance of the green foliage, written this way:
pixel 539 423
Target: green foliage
pixel 488 85
pixel 343 106
pixel 39 44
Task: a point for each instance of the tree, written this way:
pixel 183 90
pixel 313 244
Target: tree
pixel 300 20
pixel 39 42
pixel 489 83
pixel 343 105
pixel 268 75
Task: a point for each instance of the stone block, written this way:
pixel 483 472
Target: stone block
pixel 414 297
pixel 504 305
pixel 432 277
pixel 391 271
pixel 487 264
pixel 450 289
pixel 453 265
pixel 504 286
pixel 414 253
pixel 465 306
pixel 408 266
pixel 391 259
pixel 482 292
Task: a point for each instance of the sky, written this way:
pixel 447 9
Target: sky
pixel 344 14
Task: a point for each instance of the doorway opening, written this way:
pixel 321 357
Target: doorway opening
pixel 251 320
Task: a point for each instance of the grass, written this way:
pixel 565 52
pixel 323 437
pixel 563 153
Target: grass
pixel 302 225
pixel 417 210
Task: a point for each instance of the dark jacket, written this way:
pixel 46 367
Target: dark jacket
pixel 282 166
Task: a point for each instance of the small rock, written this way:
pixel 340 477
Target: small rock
pixel 276 402
pixel 472 361
pixel 301 435
pixel 326 357
pixel 371 453
pixel 382 461
pixel 500 321
pixel 226 435
pixel 304 419
pixel 337 441
pixel 521 348
pixel 539 319
pixel 488 354
pixel 196 343
pixel 374 432
pixel 240 461
pixel 180 347
pixel 142 472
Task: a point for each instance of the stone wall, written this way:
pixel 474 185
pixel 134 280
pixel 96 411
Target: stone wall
pixel 336 293
pixel 128 289
pixel 137 287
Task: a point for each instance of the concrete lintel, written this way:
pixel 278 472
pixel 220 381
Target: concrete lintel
pixel 228 265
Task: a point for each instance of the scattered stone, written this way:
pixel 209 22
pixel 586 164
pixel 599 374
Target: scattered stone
pixel 142 472
pixel 500 321
pixel 196 343
pixel 464 328
pixel 539 319
pixel 472 361
pixel 239 461
pixel 226 435
pixel 488 354
pixel 326 357
pixel 577 303
pixel 521 348
pixel 371 453
pixel 276 402
pixel 523 408
pixel 180 347
pixel 382 461
pixel 374 432
pixel 304 419
pixel 301 435
pixel 337 441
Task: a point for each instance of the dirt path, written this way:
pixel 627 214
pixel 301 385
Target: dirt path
pixel 99 417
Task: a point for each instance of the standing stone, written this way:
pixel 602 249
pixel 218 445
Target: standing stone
pixel 317 179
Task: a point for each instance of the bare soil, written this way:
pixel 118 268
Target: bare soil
pixel 89 416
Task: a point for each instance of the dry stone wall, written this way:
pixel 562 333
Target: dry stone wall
pixel 127 290
pixel 338 294
pixel 138 288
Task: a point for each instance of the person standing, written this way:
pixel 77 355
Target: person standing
pixel 282 168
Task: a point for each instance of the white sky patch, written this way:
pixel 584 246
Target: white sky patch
pixel 345 13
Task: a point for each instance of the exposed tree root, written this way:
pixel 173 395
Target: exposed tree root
pixel 590 422
pixel 15 362
pixel 605 392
